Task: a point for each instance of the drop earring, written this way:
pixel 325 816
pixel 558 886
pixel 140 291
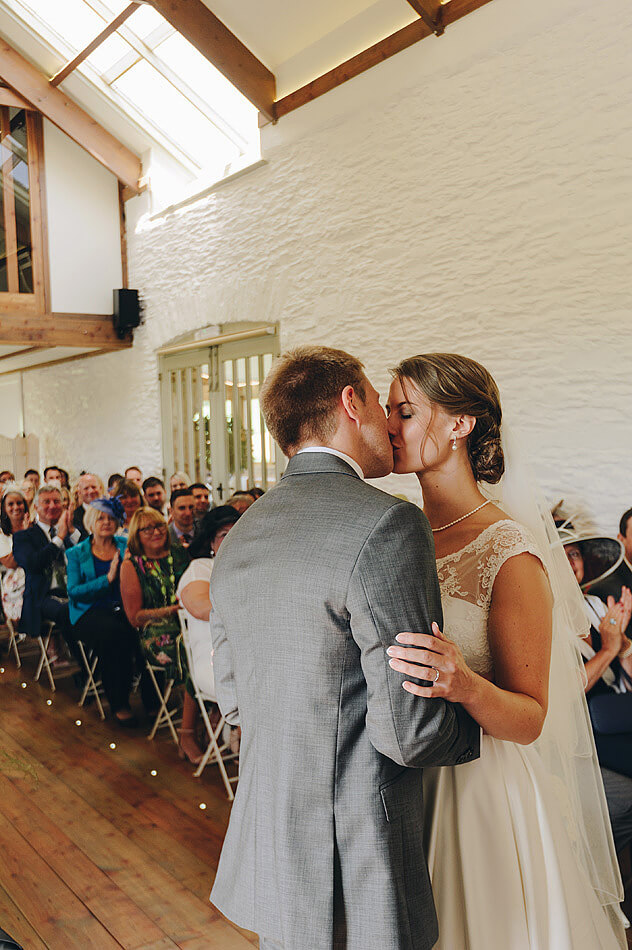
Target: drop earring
pixel 454 444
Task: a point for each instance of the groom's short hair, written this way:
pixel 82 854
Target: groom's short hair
pixel 301 394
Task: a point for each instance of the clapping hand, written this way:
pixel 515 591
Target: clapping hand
pixel 63 526
pixel 611 627
pixel 114 563
pixel 432 658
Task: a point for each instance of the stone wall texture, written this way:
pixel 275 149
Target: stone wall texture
pixel 482 206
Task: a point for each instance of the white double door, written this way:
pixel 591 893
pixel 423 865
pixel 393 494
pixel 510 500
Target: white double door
pixel 212 426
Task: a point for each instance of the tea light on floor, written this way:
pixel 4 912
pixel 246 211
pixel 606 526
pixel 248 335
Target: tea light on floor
pixel 77 722
pixel 202 806
pixel 23 685
pixel 49 702
pixel 153 772
pixel 112 745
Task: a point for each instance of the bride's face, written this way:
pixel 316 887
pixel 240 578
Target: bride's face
pixel 419 430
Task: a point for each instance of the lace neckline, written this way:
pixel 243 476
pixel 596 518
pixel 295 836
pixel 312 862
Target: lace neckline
pixel 455 555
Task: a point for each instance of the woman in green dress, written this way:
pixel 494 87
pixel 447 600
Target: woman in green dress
pixel 149 578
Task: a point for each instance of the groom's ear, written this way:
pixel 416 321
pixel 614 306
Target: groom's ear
pixel 351 401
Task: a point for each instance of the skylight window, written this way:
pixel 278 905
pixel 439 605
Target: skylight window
pixel 158 79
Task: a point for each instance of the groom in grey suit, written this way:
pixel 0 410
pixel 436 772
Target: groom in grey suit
pixel 324 846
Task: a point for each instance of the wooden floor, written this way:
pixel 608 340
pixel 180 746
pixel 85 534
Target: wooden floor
pixel 95 851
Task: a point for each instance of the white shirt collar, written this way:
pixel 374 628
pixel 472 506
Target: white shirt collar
pixel 341 455
pixel 45 527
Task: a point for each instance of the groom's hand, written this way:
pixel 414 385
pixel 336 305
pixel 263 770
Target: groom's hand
pixel 435 659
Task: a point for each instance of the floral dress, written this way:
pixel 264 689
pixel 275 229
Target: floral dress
pixel 160 639
pixel 12 582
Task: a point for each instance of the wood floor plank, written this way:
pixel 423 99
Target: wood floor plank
pixel 172 846
pixel 179 913
pixel 60 919
pixel 115 911
pixel 187 849
pixel 16 924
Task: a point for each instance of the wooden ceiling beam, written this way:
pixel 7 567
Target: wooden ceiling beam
pixel 29 83
pixel 111 27
pixel 451 11
pixel 60 329
pixel 215 41
pixel 431 12
pixel 55 362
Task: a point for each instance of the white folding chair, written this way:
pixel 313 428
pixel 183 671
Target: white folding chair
pixel 14 639
pixel 166 716
pixel 215 752
pixel 44 662
pixel 92 685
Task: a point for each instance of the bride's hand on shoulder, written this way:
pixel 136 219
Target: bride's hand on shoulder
pixel 433 658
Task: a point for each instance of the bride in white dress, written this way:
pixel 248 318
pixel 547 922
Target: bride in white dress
pixel 516 864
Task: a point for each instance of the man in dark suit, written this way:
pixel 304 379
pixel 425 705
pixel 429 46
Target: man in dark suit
pixel 182 527
pixel 88 489
pixel 40 551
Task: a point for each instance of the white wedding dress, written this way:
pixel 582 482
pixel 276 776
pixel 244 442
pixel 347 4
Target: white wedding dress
pixel 503 870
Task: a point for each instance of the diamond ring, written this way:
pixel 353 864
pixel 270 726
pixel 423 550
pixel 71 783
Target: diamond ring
pixel 612 622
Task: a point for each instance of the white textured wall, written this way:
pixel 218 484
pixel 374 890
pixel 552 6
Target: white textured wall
pixel 83 227
pixel 471 194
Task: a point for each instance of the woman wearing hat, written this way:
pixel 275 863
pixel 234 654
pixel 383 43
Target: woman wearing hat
pixel 607 651
pixel 94 600
pixel 607 654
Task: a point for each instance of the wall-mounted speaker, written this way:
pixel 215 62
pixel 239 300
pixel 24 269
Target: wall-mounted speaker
pixel 126 312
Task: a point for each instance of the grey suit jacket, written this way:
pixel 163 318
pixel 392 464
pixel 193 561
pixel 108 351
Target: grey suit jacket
pixel 324 846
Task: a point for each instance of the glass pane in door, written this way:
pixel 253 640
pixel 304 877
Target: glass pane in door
pixel 17 143
pixel 243 446
pixel 229 402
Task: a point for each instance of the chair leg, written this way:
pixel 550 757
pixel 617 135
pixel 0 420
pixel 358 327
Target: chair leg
pixel 13 643
pixel 91 686
pixel 164 717
pixel 213 751
pixel 44 662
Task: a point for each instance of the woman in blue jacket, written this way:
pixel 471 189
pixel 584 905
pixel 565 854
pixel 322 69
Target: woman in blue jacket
pixel 94 599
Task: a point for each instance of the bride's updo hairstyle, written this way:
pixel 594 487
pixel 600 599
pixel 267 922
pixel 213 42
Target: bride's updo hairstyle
pixel 462 386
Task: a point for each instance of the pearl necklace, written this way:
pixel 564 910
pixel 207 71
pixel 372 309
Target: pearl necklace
pixel 462 518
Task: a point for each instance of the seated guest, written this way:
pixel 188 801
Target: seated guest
pixel 625 534
pixel 193 590
pixel 134 474
pixel 32 476
pixel 611 583
pixel 52 475
pixel 14 517
pixel 201 495
pixel 88 488
pixel 178 481
pixel 5 477
pixel 155 494
pixel 131 498
pixel 40 551
pixel 149 580
pixel 113 484
pixel 607 655
pixel 240 501
pixel 96 609
pixel 182 528
pixel 28 491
